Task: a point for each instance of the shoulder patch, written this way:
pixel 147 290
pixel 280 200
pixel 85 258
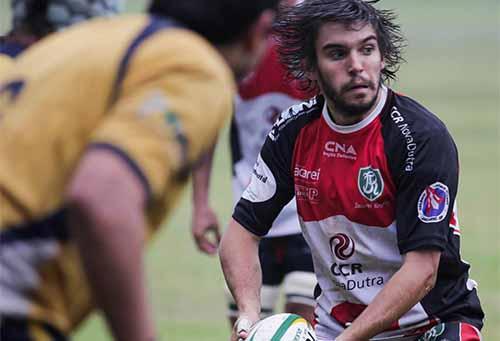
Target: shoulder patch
pixel 290 115
pixel 433 203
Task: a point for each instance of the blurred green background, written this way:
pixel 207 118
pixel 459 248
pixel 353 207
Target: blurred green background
pixel 453 68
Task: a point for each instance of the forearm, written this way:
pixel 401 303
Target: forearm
pixel 112 256
pixel 201 179
pixel 240 263
pixel 405 289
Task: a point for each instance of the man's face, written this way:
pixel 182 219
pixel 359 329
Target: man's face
pixel 349 65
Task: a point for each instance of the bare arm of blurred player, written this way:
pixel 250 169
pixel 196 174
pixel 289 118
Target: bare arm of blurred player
pixel 204 225
pixel 406 288
pixel 240 262
pixel 106 204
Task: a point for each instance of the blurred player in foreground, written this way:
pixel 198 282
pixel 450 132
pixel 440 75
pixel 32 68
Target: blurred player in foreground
pixel 284 255
pixel 375 177
pixel 100 126
pixel 34 19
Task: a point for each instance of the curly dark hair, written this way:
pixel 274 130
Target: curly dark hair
pixel 296 30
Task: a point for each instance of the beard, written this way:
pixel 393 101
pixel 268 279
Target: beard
pixel 342 106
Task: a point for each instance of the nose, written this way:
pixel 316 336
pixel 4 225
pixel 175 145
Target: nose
pixel 355 64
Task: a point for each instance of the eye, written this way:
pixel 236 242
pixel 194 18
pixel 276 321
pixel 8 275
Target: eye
pixel 367 50
pixel 336 54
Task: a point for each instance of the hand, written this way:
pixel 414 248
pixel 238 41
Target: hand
pixel 204 225
pixel 241 328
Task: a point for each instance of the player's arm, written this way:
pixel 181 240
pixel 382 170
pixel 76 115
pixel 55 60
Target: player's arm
pixel 106 203
pixel 241 266
pixel 405 289
pixel 204 221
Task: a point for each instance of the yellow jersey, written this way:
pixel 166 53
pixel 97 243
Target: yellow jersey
pixel 5 64
pixel 151 91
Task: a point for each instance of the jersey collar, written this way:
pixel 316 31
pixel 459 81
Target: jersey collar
pixel 360 125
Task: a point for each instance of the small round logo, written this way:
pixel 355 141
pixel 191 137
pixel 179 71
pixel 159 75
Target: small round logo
pixel 342 246
pixel 433 203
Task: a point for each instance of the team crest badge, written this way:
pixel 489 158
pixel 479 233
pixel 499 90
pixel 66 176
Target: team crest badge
pixel 433 203
pixel 370 183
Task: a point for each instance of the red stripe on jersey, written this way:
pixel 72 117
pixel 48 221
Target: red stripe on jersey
pixel 328 169
pixel 469 333
pixel 270 76
pixel 453 220
pixel 345 313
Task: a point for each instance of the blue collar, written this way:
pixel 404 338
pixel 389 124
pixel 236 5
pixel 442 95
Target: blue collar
pixel 11 49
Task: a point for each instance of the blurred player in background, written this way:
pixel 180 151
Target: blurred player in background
pixel 34 19
pixel 285 257
pixel 110 115
pixel 375 178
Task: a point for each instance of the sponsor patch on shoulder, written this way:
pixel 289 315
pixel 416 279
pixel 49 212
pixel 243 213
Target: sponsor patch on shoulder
pixel 262 184
pixel 433 203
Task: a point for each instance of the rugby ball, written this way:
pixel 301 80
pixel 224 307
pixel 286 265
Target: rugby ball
pixel 282 327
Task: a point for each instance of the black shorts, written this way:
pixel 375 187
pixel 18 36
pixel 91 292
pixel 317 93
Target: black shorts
pixel 18 329
pixel 280 256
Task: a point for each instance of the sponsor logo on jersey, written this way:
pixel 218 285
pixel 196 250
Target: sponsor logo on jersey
pixel 310 194
pixel 262 184
pixel 433 203
pixel 340 150
pixel 342 246
pixel 405 129
pixel 370 183
pixel 303 173
pixel 155 103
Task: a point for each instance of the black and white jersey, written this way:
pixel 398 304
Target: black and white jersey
pixel 366 194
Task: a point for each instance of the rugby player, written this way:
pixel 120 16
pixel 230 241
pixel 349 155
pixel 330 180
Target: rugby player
pixel 34 19
pixel 376 193
pixel 110 115
pixel 285 258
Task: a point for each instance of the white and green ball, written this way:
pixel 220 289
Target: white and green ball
pixel 282 327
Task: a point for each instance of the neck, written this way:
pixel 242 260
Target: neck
pixel 346 119
pixel 232 54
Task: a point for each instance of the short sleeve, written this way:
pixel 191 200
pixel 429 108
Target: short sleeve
pixel 426 194
pixel 162 125
pixel 269 190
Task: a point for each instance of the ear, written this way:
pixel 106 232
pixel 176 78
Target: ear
pixel 259 31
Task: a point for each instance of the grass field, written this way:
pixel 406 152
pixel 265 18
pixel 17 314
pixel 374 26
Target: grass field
pixel 454 69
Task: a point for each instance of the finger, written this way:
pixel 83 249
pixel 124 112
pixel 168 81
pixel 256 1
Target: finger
pixel 216 230
pixel 242 326
pixel 207 247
